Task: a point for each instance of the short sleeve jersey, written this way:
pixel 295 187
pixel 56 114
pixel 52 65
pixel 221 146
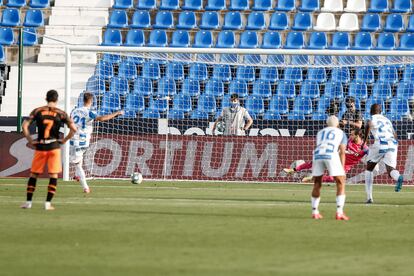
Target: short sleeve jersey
pixel 382 129
pixel 48 121
pixel 327 143
pixel 83 117
pixel 235 119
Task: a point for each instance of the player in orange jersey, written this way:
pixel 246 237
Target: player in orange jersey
pixel 48 120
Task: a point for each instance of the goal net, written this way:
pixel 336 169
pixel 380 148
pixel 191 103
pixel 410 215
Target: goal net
pixel 171 98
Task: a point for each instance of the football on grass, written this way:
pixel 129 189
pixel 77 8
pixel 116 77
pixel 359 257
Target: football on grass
pixel 136 178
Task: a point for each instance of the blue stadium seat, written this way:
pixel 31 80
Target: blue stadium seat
pixel 16 3
pixel 147 4
pixel 175 114
pixel 340 41
pixel 388 74
pixel 271 40
pixel 394 23
pixel 123 4
pixel 210 20
pixel 363 41
pixel 151 70
pixel 246 73
pixel 182 102
pixel 318 40
pixel 271 115
pixel 151 114
pixel 226 39
pixel 203 39
pixel 279 105
pixel 262 5
pixel 187 20
pixel 402 6
pixel 400 106
pixel 6 36
pixel 110 103
pixel 118 19
pixel 341 75
pixel 285 5
pixel 158 38
pixel 407 42
pixel 385 41
pixel 169 5
pixel 317 74
pixel 358 90
pixel 112 37
pixel 143 87
pixel 296 116
pixel 293 74
pixel 104 69
pixel 159 104
pixel 134 104
pixel 33 18
pixel 279 21
pixel 382 90
pixel 365 74
pixel 180 39
pixel 191 87
pixel 119 86
pixel 201 115
pixel 239 87
pixel 249 40
pixel 10 18
pixel 135 38
pixel 369 103
pixel 39 4
pixel 378 6
pixel 408 75
pixel 222 72
pixel 141 20
pixel 215 88
pixel 206 103
pixel 371 22
pixel 302 105
pixel 302 21
pixel 127 70
pixel 309 5
pixel 334 90
pixel 255 105
pixel 405 90
pixel 29 37
pixel 175 71
pixel 164 20
pixel 269 74
pixel 137 60
pixel 294 40
pixel 239 5
pixel 112 58
pixel 286 89
pixel 198 71
pixel 262 88
pixel 216 5
pixel 310 89
pixel 232 21
pixel 96 85
pixel 193 5
pixel 166 88
pixel 323 104
pixel 256 21
pixel 410 24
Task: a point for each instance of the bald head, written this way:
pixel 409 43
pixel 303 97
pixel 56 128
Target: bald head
pixel 332 121
pixel 375 109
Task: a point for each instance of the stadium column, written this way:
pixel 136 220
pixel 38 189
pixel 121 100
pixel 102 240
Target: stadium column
pixel 20 82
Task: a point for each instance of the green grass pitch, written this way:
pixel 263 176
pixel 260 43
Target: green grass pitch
pixel 197 228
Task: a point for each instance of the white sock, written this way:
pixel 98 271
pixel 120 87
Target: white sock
pixel 395 174
pixel 369 179
pixel 29 204
pixel 340 202
pixel 82 177
pixel 48 204
pixel 315 205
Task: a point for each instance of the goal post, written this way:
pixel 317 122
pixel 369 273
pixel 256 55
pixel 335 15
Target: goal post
pixel 172 96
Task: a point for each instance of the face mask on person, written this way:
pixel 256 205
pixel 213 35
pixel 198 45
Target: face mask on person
pixel 234 104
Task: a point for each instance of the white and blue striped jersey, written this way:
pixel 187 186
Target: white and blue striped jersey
pixel 382 129
pixel 83 117
pixel 327 143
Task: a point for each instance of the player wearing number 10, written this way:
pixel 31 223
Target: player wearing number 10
pixel 84 117
pixel 48 120
pixel 329 155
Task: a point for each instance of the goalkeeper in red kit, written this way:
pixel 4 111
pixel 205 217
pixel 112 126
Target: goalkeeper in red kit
pixel 353 156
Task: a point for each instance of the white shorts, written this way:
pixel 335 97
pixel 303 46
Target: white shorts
pixel 387 153
pixel 334 167
pixel 76 154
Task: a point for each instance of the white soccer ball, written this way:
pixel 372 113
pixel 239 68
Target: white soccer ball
pixel 221 126
pixel 136 178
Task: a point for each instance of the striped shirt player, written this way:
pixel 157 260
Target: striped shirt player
pixel 84 118
pixel 329 155
pixel 384 148
pixel 48 120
